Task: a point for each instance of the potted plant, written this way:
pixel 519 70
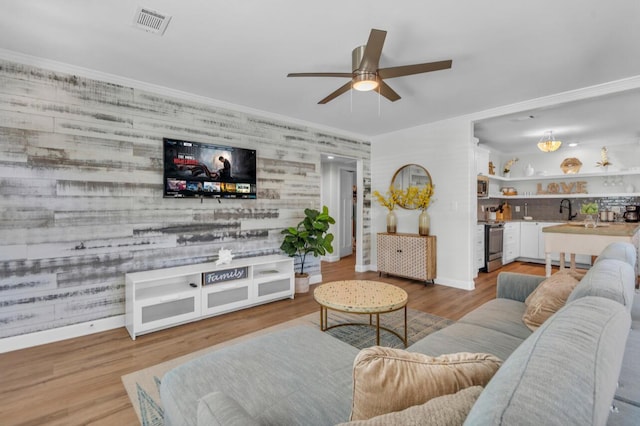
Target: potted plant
pixel 310 236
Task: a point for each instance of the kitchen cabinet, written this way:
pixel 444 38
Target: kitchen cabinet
pixel 479 252
pixel 532 244
pixel 510 242
pixel 482 160
pixel 529 235
pixel 407 255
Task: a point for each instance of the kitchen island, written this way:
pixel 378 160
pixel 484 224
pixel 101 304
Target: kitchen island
pixel 576 238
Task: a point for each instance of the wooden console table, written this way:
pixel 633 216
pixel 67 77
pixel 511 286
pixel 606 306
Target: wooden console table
pixel 575 238
pixel 407 255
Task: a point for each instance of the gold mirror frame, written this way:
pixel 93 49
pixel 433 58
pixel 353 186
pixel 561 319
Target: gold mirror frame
pixel 410 175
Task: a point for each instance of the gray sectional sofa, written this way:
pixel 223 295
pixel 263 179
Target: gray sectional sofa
pixel 564 373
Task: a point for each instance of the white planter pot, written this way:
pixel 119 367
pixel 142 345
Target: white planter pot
pixel 302 283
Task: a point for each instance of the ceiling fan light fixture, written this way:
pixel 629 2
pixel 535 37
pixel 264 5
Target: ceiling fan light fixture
pixel 548 143
pixel 365 81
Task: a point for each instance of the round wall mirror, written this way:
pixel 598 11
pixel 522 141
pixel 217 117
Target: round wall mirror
pixel 410 175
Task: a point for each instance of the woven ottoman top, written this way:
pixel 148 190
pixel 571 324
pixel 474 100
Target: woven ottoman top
pixel 361 296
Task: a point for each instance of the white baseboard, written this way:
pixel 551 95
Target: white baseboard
pixel 23 341
pixel 364 268
pixel 315 279
pixel 462 285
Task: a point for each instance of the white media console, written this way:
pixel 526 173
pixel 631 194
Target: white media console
pixel 164 298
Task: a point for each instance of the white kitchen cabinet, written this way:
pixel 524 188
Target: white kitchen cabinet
pixel 532 244
pixel 510 242
pixel 529 235
pixel 482 160
pixel 479 247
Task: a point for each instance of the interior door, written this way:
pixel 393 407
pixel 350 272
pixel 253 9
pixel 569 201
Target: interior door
pixel 346 213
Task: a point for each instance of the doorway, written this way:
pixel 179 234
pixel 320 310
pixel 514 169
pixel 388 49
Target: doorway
pixel 340 194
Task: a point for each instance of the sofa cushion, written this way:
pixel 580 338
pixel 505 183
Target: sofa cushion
pixel 503 315
pixel 564 374
pixel 620 251
pixel 446 410
pixel 387 379
pixel 610 278
pixel 548 298
pixel 299 375
pixel 629 382
pixel 217 409
pixel 461 337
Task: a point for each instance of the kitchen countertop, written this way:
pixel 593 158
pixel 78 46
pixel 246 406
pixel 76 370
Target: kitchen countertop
pixel 608 229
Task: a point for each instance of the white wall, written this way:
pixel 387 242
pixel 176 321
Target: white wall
pixel 445 150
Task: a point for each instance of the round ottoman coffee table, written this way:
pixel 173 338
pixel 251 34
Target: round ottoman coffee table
pixel 362 297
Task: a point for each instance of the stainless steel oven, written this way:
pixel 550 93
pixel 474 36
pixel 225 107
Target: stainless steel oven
pixel 493 233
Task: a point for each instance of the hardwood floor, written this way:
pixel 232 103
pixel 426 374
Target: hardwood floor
pixel 77 381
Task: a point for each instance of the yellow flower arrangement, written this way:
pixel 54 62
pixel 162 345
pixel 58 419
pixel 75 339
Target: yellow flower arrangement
pixel 509 164
pixel 420 198
pixel 394 196
pixel 604 157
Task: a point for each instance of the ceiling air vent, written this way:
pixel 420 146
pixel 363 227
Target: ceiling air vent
pixel 151 21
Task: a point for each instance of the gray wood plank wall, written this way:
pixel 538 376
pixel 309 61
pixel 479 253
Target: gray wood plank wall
pixel 81 192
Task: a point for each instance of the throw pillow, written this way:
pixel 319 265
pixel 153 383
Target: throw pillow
pixel 387 380
pixel 447 410
pixel 548 298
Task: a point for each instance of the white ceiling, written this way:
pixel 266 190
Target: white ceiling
pixel 240 52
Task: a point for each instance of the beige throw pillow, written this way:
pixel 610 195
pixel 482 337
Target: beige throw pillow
pixel 548 298
pixel 447 410
pixel 387 380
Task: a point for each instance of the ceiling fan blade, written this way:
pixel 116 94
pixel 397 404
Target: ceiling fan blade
pixel 414 69
pixel 372 51
pixel 320 74
pixel 388 92
pixel 344 88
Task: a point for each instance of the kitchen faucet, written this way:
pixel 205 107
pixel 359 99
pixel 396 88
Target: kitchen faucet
pixel 562 202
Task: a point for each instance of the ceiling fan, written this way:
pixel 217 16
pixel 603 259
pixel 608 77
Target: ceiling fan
pixel 367 76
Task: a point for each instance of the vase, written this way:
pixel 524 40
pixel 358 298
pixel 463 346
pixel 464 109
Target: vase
pixel 589 221
pixel 529 171
pixel 424 222
pixel 506 174
pixel 392 222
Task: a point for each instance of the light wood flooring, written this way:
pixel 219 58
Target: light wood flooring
pixel 77 381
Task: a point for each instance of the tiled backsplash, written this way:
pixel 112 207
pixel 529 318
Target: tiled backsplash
pixel 549 208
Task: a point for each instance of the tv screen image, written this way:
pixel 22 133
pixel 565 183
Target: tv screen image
pixel 197 169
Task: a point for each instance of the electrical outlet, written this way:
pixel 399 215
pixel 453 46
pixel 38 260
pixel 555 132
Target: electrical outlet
pixel 616 209
pixel 517 209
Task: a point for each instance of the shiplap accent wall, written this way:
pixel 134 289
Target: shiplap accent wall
pixel 81 191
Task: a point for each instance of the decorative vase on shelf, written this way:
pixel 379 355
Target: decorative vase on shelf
pixel 392 222
pixel 529 171
pixel 424 222
pixel 506 174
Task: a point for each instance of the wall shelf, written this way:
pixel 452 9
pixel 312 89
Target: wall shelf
pixel 526 185
pixel 592 195
pixel 565 176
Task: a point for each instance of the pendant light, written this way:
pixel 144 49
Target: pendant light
pixel 548 143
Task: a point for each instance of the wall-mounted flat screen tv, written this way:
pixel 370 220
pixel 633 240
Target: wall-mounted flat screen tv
pixel 196 169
